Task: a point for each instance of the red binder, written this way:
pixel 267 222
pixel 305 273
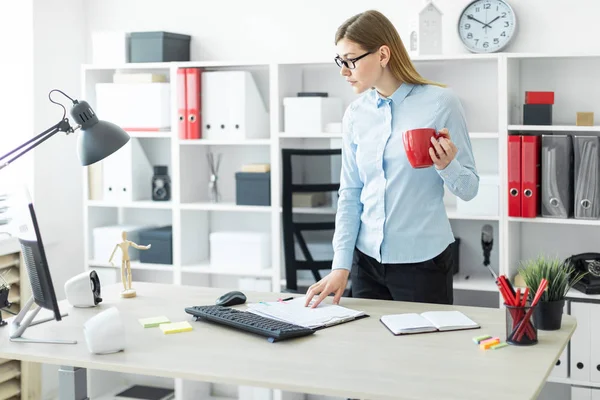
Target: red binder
pixel 194 103
pixel 181 103
pixel 530 176
pixel 514 175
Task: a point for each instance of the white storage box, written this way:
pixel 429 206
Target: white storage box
pixel 135 106
pixel 105 238
pixel 486 201
pixel 311 114
pixel 246 251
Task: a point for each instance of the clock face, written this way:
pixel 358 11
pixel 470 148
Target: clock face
pixel 487 26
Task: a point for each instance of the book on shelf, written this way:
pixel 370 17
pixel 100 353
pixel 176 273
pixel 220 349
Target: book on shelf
pixel 429 321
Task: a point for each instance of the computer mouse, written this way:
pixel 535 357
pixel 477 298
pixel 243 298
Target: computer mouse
pixel 232 298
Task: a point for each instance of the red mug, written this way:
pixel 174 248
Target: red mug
pixel 417 143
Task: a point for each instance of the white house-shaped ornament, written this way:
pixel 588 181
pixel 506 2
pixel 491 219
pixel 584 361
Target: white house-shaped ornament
pixel 426 35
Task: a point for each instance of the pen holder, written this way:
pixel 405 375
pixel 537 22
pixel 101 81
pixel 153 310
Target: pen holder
pixel 520 327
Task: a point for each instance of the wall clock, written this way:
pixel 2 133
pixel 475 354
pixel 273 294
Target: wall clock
pixel 487 26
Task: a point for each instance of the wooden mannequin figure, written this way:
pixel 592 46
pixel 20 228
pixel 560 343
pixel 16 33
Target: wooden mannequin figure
pixel 125 264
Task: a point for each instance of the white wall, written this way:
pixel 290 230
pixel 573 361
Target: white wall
pixel 59 51
pixel 234 29
pixel 16 70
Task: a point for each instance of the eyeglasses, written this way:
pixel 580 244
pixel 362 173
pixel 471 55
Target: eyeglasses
pixel 351 62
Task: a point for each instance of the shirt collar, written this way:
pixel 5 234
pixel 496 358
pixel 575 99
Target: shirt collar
pixel 397 97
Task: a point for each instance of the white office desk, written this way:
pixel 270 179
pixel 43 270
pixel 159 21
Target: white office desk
pixel 359 359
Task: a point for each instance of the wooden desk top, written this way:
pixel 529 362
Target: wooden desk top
pixel 359 359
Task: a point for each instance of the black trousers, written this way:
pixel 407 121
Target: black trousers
pixel 425 282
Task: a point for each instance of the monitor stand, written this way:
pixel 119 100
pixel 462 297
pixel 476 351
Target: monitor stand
pixel 17 328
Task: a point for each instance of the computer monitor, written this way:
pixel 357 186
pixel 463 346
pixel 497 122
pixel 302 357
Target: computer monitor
pixel 42 288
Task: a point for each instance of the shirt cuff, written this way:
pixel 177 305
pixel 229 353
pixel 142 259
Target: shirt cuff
pixel 343 259
pixel 451 172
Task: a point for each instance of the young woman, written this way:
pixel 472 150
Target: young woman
pixel 392 232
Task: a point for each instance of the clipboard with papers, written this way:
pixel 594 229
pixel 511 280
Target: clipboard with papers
pixel 293 311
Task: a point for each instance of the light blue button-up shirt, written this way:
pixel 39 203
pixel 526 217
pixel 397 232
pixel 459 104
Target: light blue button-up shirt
pixel 386 208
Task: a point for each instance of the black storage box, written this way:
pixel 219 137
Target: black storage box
pixel 455 255
pixel 537 114
pixel 158 47
pixel 161 251
pixel 253 188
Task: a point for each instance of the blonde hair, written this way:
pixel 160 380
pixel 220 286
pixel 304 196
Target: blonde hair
pixel 371 30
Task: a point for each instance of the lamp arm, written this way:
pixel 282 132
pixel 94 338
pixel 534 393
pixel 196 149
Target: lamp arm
pixel 62 126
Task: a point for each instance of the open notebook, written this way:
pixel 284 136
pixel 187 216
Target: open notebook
pixel 294 311
pixel 430 321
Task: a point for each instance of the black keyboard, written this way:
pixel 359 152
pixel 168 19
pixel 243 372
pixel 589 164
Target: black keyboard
pixel 243 320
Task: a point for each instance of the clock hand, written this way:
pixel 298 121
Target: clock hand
pixel 493 20
pixel 475 19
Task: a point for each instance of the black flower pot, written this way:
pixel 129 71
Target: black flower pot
pixel 547 315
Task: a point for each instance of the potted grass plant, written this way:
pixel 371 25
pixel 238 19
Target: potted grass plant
pixel 561 277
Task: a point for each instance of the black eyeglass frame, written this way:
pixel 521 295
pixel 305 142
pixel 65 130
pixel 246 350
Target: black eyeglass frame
pixel 351 61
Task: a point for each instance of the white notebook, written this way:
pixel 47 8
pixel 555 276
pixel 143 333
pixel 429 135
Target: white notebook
pixel 294 311
pixel 430 321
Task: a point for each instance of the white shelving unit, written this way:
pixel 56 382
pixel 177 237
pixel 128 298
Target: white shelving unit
pixel 491 88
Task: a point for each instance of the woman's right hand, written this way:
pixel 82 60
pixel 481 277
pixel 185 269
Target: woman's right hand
pixel 335 282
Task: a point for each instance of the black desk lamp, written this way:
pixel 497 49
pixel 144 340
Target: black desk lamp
pixel 98 138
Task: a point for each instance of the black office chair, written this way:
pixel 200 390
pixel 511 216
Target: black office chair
pixel 293 230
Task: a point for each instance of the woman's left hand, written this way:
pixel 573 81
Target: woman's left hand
pixel 443 150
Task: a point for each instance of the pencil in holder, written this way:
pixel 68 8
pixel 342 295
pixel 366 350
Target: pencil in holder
pixel 520 327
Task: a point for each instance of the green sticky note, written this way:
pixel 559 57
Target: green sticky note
pixel 499 345
pixel 479 339
pixel 154 321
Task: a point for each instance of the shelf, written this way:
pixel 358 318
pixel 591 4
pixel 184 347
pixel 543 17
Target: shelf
pixel 559 221
pixel 554 128
pixel 224 207
pixel 479 281
pixel 165 205
pixel 150 134
pixel 312 210
pixel 320 135
pixel 174 64
pixel 149 65
pixel 453 214
pixel 134 265
pixel 574 294
pixel 483 135
pixel 569 381
pixel 327 135
pixel 212 142
pixel 206 268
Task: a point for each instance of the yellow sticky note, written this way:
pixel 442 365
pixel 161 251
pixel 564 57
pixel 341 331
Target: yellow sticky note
pixel 486 344
pixel 176 327
pixel 154 321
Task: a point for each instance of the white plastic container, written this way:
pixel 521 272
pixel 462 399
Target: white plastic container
pixel 486 202
pixel 244 251
pixel 311 114
pixel 135 106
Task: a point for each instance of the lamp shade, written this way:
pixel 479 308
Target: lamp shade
pixel 98 139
